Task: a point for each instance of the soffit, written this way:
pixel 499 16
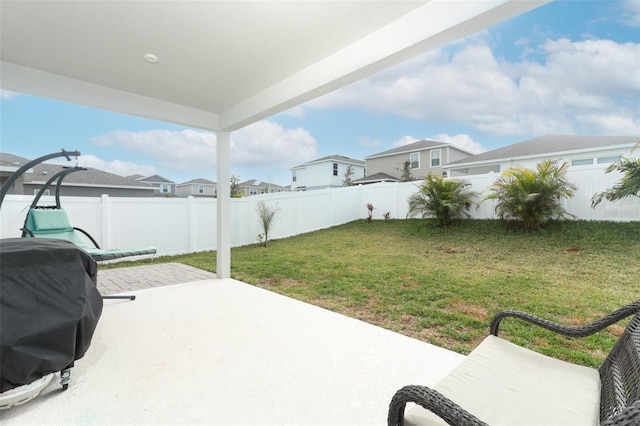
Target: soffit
pixel 222 64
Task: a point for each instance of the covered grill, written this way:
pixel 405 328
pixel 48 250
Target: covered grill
pixel 49 308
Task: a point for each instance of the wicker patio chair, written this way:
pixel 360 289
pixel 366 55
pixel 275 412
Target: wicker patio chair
pixel 614 387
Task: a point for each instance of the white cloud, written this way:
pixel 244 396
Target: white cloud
pixel 262 143
pixel 566 91
pixel 405 140
pixel 631 13
pixel 121 168
pixel 267 143
pixel 6 95
pixel 462 141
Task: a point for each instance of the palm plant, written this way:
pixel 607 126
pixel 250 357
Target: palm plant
pixel 444 199
pixel 627 186
pixel 532 196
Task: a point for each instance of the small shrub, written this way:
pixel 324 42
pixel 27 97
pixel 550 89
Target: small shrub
pixel 387 215
pixel 444 199
pixel 267 215
pixel 370 211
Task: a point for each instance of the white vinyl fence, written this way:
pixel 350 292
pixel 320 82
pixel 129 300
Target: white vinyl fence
pixel 183 225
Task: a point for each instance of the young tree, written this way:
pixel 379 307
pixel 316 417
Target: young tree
pixel 444 199
pixel 627 186
pixel 405 171
pixel 532 196
pixel 267 215
pixel 235 188
pixel 348 174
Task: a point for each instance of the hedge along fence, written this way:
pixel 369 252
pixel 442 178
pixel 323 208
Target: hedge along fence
pixel 184 225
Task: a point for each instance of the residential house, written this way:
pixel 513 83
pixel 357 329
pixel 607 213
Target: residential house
pixel 325 172
pixel 163 187
pixel 578 151
pixel 197 188
pixel 256 187
pixel 425 157
pixel 375 178
pixel 85 183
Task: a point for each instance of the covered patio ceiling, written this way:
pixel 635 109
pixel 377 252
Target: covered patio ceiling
pixel 221 65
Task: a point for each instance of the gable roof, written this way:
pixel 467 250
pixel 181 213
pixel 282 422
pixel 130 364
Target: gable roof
pixel 90 177
pixel 376 177
pixel 198 181
pixel 549 144
pixel 415 146
pixel 333 158
pixel 259 184
pixel 155 179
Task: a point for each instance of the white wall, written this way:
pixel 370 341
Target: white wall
pixel 182 225
pixel 320 175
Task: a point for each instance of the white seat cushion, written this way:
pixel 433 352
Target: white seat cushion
pixel 506 384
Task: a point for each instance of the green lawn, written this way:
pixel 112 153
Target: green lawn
pixel 443 285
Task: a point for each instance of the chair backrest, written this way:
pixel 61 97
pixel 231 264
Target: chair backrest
pixel 620 374
pixel 53 223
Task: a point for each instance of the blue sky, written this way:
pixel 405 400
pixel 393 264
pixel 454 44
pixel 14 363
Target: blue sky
pixel 569 67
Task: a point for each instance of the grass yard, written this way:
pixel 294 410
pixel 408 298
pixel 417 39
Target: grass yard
pixel 444 285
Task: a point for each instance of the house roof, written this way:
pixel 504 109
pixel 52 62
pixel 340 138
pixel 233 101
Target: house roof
pixel 234 63
pixel 546 145
pixel 259 184
pixel 413 147
pixel 199 181
pixel 155 179
pixel 89 177
pixel 136 176
pixel 333 158
pixel 376 177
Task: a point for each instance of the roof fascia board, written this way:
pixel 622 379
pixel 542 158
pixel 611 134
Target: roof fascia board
pixel 544 154
pixel 30 81
pixel 428 26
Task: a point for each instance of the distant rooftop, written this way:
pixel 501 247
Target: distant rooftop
pixel 155 179
pixel 92 177
pixel 200 181
pixel 548 144
pixel 333 158
pixel 415 146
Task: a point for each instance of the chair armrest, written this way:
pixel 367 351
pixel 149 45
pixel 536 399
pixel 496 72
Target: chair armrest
pixel 629 416
pixel 95 243
pixel 567 330
pixel 433 401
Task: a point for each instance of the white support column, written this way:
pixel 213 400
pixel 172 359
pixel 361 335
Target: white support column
pixel 223 152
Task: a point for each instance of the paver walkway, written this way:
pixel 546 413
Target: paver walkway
pixel 119 280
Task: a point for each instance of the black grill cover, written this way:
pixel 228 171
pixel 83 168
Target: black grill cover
pixel 49 307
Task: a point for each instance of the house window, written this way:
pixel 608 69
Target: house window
pixel 46 192
pixel 435 158
pixel 294 176
pixel 253 191
pixel 414 160
pixel 165 188
pixel 335 169
pixel 607 160
pixel 200 189
pixel 582 162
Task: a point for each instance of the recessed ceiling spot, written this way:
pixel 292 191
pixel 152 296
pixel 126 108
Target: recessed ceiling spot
pixel 151 58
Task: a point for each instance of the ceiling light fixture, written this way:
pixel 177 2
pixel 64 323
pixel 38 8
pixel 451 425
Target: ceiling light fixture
pixel 151 58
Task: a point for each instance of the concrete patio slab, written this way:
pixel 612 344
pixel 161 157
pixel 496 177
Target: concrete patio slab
pixel 223 352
